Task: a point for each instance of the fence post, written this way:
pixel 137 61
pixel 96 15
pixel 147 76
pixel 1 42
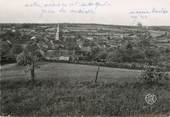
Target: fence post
pixel 97 73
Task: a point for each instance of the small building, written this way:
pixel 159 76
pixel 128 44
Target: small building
pixel 60 55
pixel 89 38
pixel 64 58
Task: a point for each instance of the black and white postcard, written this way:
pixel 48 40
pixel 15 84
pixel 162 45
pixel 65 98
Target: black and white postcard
pixel 84 58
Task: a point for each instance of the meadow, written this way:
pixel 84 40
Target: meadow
pixel 71 72
pixel 69 89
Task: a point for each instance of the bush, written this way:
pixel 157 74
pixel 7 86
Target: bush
pixel 23 59
pixel 154 75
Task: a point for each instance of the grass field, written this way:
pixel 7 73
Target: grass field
pixel 72 72
pixel 68 89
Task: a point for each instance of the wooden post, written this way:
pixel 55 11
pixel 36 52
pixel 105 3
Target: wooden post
pixel 97 74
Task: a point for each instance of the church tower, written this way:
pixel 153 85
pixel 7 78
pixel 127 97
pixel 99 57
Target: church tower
pixel 57 33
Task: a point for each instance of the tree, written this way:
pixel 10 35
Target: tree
pixel 5 55
pixel 101 56
pixel 94 52
pixel 153 71
pixel 124 53
pixel 71 44
pixel 4 48
pixel 154 74
pixel 29 57
pixel 16 49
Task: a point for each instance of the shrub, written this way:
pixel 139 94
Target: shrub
pixel 154 74
pixel 22 59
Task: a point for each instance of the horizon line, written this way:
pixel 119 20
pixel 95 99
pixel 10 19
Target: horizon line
pixel 82 23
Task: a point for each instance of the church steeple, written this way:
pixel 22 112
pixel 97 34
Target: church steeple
pixel 57 33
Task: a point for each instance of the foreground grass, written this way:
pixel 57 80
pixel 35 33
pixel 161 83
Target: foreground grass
pixel 54 97
pixel 67 89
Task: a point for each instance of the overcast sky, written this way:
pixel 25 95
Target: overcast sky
pixel 117 12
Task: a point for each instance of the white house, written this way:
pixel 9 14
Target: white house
pixel 64 58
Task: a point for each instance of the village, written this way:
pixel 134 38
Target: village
pixel 75 42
